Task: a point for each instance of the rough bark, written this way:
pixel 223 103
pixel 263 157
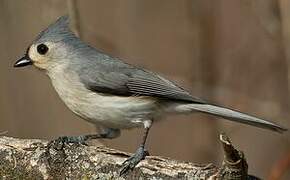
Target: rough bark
pixel 30 159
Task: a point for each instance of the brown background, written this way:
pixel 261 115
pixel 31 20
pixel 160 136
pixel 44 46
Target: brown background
pixel 233 53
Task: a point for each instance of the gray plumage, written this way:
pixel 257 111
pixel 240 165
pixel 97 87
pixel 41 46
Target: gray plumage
pixel 101 73
pixel 106 91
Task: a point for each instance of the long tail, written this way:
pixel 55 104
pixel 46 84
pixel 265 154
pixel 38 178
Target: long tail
pixel 235 116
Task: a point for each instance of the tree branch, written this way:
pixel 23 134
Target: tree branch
pixel 30 159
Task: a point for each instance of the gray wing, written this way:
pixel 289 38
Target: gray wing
pixel 127 80
pixel 150 84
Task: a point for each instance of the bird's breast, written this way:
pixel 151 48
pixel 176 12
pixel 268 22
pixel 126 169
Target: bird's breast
pixel 106 109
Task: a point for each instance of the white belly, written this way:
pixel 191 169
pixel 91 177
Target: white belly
pixel 113 111
pixel 110 111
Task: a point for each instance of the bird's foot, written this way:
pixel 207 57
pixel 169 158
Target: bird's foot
pixel 132 161
pixel 59 143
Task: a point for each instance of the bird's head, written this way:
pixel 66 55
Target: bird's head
pixel 50 47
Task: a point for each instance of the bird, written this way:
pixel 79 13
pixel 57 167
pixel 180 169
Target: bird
pixel 106 91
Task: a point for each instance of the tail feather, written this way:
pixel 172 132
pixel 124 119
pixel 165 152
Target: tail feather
pixel 236 116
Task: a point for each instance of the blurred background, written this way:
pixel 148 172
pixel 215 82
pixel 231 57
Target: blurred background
pixel 232 53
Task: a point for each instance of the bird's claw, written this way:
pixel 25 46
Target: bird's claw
pixel 59 143
pixel 130 163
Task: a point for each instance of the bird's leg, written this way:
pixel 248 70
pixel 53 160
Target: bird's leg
pixel 139 155
pixel 59 142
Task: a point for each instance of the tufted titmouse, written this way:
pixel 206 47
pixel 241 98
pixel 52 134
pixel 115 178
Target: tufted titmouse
pixel 106 91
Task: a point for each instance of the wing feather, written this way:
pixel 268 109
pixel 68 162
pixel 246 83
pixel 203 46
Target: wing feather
pixel 118 78
pixel 151 84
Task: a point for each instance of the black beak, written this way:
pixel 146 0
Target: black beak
pixel 24 61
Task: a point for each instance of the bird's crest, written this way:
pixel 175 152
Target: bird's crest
pixel 57 31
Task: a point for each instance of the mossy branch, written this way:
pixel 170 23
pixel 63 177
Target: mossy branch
pixel 30 159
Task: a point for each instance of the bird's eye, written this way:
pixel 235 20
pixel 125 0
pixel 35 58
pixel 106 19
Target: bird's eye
pixel 42 49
